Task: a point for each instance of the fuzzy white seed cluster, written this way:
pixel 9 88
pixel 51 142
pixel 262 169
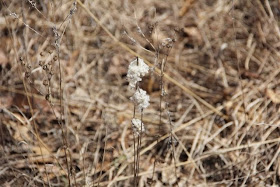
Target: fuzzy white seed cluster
pixel 137 126
pixel 141 99
pixel 136 70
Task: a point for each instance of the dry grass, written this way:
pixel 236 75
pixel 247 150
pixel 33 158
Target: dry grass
pixel 221 80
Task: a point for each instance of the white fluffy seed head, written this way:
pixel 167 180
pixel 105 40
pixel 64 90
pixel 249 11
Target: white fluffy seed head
pixel 137 126
pixel 136 69
pixel 141 99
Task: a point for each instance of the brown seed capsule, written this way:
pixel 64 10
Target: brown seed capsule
pixel 45 82
pixel 151 28
pixel 42 54
pixel 55 58
pixel 47 97
pixel 49 76
pixel 45 67
pixel 23 63
pixel 27 74
pixel 29 66
pixel 20 58
pixel 40 63
pixel 51 72
pixel 150 181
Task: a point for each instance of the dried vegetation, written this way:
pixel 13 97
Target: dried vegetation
pixel 221 92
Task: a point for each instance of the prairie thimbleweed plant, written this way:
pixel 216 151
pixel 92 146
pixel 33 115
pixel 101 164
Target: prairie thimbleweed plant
pixel 136 70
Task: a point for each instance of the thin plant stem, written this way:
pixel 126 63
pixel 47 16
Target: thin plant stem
pixel 134 147
pixel 103 156
pixel 64 138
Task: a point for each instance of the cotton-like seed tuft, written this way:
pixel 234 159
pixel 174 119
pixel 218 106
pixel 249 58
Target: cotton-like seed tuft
pixel 137 126
pixel 136 69
pixel 141 99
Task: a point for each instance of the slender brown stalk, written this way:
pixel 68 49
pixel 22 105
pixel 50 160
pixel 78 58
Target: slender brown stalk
pixel 134 147
pixel 103 156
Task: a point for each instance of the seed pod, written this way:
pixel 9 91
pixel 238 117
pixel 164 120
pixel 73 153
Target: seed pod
pixel 20 58
pixel 40 63
pixel 55 58
pixel 49 76
pixel 169 45
pixel 45 82
pixel 45 67
pixel 47 97
pixel 29 66
pixel 51 72
pixel 150 181
pixel 27 74
pixel 151 28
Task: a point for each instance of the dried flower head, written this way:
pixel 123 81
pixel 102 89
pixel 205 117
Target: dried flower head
pixel 141 99
pixel 137 69
pixel 137 126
